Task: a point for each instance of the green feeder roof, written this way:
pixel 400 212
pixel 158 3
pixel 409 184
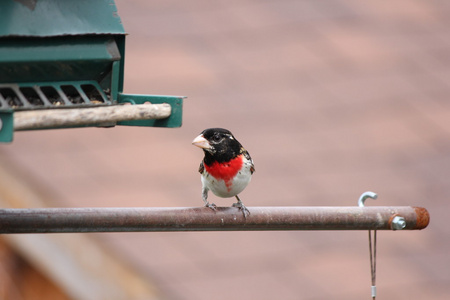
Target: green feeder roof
pixel 44 18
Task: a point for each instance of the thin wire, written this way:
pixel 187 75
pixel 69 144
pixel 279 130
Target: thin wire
pixel 373 260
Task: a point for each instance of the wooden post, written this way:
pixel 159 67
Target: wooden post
pixel 73 117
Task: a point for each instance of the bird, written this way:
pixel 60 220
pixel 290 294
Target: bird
pixel 226 168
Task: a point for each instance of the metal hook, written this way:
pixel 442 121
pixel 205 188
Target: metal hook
pixel 366 195
pixel 372 249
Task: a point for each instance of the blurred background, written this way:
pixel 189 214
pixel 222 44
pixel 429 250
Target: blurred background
pixel 331 99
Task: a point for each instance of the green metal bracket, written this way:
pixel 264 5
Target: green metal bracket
pixel 6 126
pixel 175 119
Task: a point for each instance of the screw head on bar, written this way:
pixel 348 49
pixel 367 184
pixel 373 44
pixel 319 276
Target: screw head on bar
pixel 398 223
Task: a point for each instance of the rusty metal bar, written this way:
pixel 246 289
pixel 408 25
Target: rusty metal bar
pixel 58 220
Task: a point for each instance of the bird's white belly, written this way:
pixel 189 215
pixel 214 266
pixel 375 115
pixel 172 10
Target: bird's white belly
pixel 221 189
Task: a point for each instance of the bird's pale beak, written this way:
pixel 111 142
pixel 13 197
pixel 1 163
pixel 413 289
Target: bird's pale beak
pixel 201 142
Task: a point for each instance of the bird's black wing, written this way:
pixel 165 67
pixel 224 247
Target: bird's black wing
pixel 247 156
pixel 201 168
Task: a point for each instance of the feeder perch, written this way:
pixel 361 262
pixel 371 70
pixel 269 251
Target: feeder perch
pixel 62 58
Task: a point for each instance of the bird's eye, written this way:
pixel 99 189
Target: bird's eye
pixel 216 138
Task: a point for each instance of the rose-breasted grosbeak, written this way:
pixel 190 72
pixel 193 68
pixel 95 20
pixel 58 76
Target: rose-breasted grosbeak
pixel 227 167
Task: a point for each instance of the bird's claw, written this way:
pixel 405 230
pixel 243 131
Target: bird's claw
pixel 211 205
pixel 242 208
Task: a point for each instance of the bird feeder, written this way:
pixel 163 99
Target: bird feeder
pixel 63 60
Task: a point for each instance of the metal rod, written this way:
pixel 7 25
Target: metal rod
pixel 65 117
pixel 58 220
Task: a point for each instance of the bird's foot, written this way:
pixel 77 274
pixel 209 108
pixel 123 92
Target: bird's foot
pixel 242 208
pixel 211 205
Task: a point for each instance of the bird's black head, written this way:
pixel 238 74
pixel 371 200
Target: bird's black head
pixel 218 144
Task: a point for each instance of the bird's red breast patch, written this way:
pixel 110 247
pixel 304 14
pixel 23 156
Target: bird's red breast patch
pixel 225 171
